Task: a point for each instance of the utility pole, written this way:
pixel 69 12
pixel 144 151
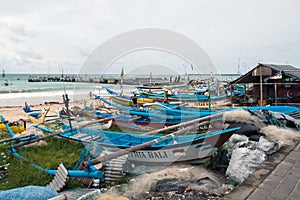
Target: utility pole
pixel 238 69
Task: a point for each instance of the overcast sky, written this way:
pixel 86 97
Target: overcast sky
pixel 48 36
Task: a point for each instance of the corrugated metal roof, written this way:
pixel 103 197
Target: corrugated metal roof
pixel 288 70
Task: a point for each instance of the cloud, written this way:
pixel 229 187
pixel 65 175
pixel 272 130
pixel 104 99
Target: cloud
pixel 29 54
pixel 21 30
pixel 83 52
pixel 15 39
pixel 15 27
pixel 66 32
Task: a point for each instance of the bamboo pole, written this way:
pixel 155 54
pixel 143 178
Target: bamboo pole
pixel 184 124
pixel 113 155
pixel 261 86
pixel 245 95
pixel 275 91
pixel 135 118
pixel 209 100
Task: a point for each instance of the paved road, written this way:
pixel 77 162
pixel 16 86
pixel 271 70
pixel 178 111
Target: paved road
pixel 283 183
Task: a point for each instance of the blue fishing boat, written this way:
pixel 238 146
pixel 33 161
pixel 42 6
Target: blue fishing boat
pixel 125 100
pixel 195 148
pixel 148 122
pixel 197 99
pixel 165 109
pixel 141 149
pixel 199 95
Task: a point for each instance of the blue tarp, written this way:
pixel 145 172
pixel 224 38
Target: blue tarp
pixel 28 193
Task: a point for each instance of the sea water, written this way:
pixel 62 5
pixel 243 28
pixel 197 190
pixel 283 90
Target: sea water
pixel 15 90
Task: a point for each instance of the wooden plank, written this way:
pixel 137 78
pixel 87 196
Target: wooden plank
pixel 114 172
pixel 53 185
pixel 60 178
pixel 63 169
pixel 113 175
pixel 59 182
pixel 114 164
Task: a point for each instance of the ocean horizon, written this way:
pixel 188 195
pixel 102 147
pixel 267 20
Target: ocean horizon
pixel 15 88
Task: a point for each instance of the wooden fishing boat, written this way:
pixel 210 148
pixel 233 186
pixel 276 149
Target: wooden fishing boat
pixel 41 116
pixel 127 101
pixel 16 126
pixel 164 116
pixel 145 91
pixel 142 149
pixel 38 118
pixel 198 99
pixel 140 123
pixel 199 95
pixel 178 110
pixel 195 148
pixel 149 119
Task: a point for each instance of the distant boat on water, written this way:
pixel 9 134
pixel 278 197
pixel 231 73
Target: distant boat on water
pixel 6 83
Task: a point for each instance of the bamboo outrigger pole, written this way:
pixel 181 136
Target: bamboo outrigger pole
pixel 184 124
pixel 109 118
pixel 60 132
pixel 113 155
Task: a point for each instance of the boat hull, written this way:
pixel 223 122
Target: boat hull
pixel 128 102
pixel 188 149
pixel 18 128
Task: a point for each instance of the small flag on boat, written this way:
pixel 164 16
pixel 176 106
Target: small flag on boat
pixel 122 73
pixel 121 81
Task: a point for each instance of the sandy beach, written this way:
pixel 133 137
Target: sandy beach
pixel 13 113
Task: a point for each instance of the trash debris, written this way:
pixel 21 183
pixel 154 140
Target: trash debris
pixel 243 162
pixel 267 146
pixel 277 119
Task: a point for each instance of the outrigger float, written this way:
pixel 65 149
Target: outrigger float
pixel 147 148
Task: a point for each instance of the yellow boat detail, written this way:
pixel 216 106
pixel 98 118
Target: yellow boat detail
pixel 15 126
pixel 127 102
pixel 40 119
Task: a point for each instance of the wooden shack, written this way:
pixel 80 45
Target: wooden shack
pixel 273 84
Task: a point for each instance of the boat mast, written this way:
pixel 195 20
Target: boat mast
pixel 121 81
pixel 150 78
pixel 238 69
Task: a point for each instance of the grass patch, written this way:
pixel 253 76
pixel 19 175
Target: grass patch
pixel 21 173
pixel 56 125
